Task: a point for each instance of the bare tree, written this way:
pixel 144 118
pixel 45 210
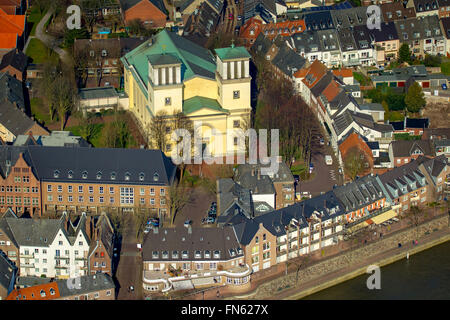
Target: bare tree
pixel 414 216
pixel 181 121
pixel 158 128
pixel 355 163
pixel 179 196
pixel 118 220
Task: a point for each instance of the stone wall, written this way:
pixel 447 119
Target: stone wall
pixel 348 259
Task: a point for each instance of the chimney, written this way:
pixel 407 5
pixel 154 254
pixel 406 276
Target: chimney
pixel 89 226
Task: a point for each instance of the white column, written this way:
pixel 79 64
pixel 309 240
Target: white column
pixel 156 78
pixel 178 75
pixel 232 69
pixel 247 68
pixel 225 71
pixel 150 72
pixel 170 75
pixel 163 76
pixel 239 69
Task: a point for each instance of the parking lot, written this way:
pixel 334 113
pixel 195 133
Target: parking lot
pixel 196 209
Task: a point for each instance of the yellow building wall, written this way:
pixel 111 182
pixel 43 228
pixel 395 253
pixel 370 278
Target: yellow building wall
pixel 5 134
pixel 200 87
pixel 158 98
pixel 226 96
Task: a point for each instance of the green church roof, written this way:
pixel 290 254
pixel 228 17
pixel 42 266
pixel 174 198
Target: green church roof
pixel 232 53
pixel 196 103
pixel 195 60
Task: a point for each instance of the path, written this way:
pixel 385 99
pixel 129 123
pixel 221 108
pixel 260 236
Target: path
pixel 48 40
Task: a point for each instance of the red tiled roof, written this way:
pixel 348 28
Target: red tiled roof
pixel 331 91
pixel 344 72
pixel 301 73
pixel 8 9
pixel 252 24
pixel 34 292
pixel 11 26
pixel 287 28
pixel 315 71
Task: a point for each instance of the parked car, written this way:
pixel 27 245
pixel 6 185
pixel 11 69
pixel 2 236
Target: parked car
pixel 210 220
pixel 148 228
pixel 328 160
pixel 239 18
pixel 187 223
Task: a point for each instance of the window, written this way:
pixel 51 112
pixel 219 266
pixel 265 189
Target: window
pixel 162 201
pixel 80 189
pixel 127 176
pixel 104 53
pixel 152 191
pixel 101 199
pixel 168 101
pixel 80 199
pixel 91 189
pixel 91 199
pixel 156 177
pixel 111 199
pixel 100 189
pixel 69 189
pixel 142 200
pixel 49 188
pixel 127 195
pixel 142 191
pixel 111 190
pixel 113 176
pixel 162 192
pixel 70 174
pixel 50 198
pixel 91 53
pixel 99 175
pixel 56 174
pixel 84 175
pixel 257 240
pixel 60 198
pixel 236 94
pixel 152 201
pixel 26 179
pixel 141 176
pixel 236 124
pixel 70 198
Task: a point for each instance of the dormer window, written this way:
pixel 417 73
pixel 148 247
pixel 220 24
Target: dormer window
pixel 99 175
pixel 42 293
pixel 141 176
pixel 198 254
pixel 113 176
pixel 70 174
pixel 165 254
pixel 232 252
pixel 155 255
pixel 207 254
pixel 127 176
pixel 104 53
pixel 52 291
pixel 56 174
pixel 184 254
pixel 217 254
pixel 175 254
pixel 155 177
pixel 84 175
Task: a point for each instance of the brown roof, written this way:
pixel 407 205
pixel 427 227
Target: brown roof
pixel 316 71
pixel 393 8
pixel 39 292
pixel 344 72
pixel 405 148
pixel 331 91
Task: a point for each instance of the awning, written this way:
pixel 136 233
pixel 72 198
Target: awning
pixel 384 216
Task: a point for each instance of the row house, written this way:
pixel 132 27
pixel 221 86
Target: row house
pixel 424 7
pixel 58 247
pixel 351 17
pixel 445 25
pixel 89 287
pixel 355 141
pixel 84 179
pixel 412 126
pixel 404 151
pixel 444 8
pixel 440 138
pixel 365 42
pixel 201 24
pixel 187 258
pixel 422 34
pixel 8 273
pixel 396 11
pixel 385 41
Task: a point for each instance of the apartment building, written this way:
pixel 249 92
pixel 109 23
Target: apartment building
pixel 424 7
pixel 404 151
pixel 8 273
pixel 187 258
pixel 84 179
pixel 444 8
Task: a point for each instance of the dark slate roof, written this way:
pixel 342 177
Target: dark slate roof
pixel 402 177
pixel 388 32
pixel 349 17
pixel 327 205
pixel 201 239
pixel 14 119
pixel 405 148
pixel 115 47
pixel 360 193
pixel 32 232
pixel 446 26
pixel 328 39
pixel 288 61
pixel 261 184
pixel 416 28
pixel 233 196
pixel 363 38
pixel 346 40
pixel 322 84
pixel 373 145
pixel 261 45
pixel 425 5
pixel 16 59
pixel 45 160
pixel 11 90
pixel 417 123
pixel 318 20
pixel 7 272
pixel 88 284
pixel 397 125
pixel 306 42
pixel 202 22
pixel 434 166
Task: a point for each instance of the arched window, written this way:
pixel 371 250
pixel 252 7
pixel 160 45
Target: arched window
pixel 56 173
pixel 84 175
pixel 113 176
pixel 99 175
pixel 70 174
pixel 127 176
pixel 155 177
pixel 141 176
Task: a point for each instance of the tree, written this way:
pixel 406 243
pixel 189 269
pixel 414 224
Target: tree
pixel 87 126
pixel 415 98
pixel 116 133
pixel 355 163
pixel 118 220
pixel 413 215
pixel 158 129
pixel 179 196
pixel 141 217
pixel 71 35
pixel 64 95
pixel 181 121
pixel 404 54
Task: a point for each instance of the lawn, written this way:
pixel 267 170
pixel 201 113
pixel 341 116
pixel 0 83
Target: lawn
pixel 33 19
pixel 39 52
pixel 95 140
pixel 39 111
pixel 362 79
pixel 406 136
pixel 394 116
pixel 445 68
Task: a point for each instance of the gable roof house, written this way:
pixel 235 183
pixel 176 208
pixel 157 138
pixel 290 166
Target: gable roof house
pixel 349 49
pixel 14 120
pixel 404 151
pixel 201 24
pixel 444 8
pixel 445 26
pixel 14 63
pixel 364 41
pixel 321 20
pixel 152 13
pixel 287 62
pixel 351 17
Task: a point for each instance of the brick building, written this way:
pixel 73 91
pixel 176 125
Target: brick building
pixel 84 179
pixel 404 151
pixel 152 13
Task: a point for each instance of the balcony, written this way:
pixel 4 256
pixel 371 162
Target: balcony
pixel 80 258
pixel 27 256
pixel 368 216
pixel 62 257
pixel 27 265
pixel 61 267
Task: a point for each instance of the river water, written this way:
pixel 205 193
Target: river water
pixel 426 275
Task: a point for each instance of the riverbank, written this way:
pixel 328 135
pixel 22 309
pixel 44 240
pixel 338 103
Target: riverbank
pixel 348 265
pixel 442 237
